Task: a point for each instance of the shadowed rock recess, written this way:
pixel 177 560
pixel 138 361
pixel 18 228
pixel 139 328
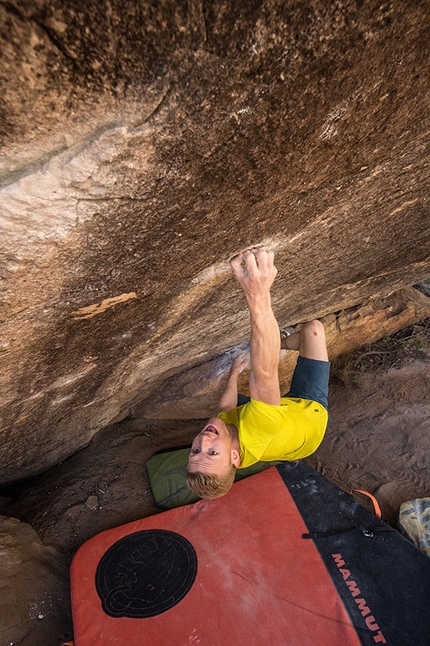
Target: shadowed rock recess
pixel 145 143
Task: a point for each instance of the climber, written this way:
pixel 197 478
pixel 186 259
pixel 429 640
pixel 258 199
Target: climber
pixel 267 427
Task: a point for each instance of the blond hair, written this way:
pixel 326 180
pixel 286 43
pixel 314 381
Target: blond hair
pixel 210 486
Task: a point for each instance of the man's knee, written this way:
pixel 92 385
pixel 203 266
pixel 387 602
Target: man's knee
pixel 314 328
pixel 313 341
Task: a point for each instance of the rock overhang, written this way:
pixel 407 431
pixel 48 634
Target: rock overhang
pixel 142 152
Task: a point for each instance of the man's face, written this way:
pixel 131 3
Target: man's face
pixel 211 450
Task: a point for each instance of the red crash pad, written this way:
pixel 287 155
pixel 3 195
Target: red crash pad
pixel 238 570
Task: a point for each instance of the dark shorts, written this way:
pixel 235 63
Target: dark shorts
pixel 310 381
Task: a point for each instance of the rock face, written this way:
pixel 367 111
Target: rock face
pixel 195 392
pixel 33 587
pixel 144 144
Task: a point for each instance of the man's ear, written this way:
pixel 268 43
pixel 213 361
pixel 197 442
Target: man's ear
pixel 235 458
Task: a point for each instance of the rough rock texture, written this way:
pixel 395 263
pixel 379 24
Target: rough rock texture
pixel 195 393
pixel 143 144
pixel 34 596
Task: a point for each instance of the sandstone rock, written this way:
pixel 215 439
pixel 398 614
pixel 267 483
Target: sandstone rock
pixel 145 144
pixel 195 393
pixel 92 502
pixel 34 595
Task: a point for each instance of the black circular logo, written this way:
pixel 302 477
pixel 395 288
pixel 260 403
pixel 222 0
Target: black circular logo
pixel 145 573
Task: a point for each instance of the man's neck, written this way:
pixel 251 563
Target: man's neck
pixel 235 444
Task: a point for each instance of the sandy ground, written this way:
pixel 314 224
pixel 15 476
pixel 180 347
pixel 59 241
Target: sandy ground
pixel 378 439
pixel 379 436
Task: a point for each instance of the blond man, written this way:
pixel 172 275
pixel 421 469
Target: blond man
pixel 267 426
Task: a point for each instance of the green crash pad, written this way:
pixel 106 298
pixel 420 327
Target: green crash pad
pixel 167 473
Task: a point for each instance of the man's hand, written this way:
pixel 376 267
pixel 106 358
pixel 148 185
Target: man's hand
pixel 228 399
pixel 255 272
pixel 239 364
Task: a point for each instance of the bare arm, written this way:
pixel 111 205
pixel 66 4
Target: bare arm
pixel 228 399
pixel 256 272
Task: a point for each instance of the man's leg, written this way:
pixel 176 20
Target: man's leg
pixel 309 341
pixel 311 375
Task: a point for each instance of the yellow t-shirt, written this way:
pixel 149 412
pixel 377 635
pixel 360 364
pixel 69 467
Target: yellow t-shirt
pixel 290 431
